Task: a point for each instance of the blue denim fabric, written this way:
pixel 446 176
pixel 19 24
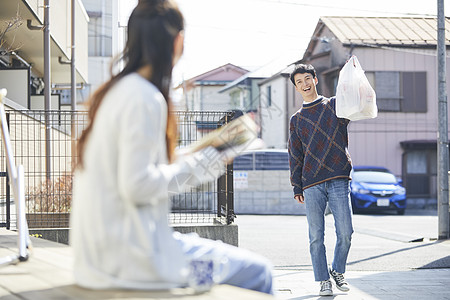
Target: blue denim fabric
pixel 336 193
pixel 244 269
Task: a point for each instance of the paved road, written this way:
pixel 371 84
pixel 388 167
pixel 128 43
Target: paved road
pixel 380 242
pixel 392 257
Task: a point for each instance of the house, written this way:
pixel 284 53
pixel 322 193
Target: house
pixel 22 51
pixel 398 55
pixel 201 93
pixel 244 92
pixel 42 141
pixel 278 101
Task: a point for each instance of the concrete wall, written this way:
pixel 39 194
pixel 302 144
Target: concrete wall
pixel 225 233
pixel 265 192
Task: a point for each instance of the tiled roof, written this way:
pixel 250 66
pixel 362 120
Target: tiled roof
pixel 391 31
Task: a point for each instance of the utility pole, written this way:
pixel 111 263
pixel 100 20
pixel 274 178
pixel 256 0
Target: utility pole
pixel 47 89
pixel 73 89
pixel 442 151
pixel 73 78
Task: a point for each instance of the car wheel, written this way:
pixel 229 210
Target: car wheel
pixel 401 212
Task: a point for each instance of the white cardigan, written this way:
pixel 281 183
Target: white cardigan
pixel 119 228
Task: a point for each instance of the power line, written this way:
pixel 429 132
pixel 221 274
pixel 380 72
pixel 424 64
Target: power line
pixel 291 2
pixel 240 29
pixel 295 3
pixel 404 50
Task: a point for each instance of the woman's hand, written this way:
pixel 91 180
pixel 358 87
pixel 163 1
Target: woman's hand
pixel 203 166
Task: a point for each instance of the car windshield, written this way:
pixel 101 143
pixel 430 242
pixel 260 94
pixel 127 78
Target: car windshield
pixel 374 177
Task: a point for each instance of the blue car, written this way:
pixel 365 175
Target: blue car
pixel 376 189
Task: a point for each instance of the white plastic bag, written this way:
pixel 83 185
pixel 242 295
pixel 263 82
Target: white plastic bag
pixel 355 97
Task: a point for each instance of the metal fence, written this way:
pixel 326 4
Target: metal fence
pixel 43 142
pixel 213 201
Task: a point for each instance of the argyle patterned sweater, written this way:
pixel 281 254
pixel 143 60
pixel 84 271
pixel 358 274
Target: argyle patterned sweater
pixel 318 145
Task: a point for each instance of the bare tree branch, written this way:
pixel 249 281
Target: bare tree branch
pixel 11 26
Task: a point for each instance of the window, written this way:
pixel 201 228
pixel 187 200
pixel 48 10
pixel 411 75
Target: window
pixel 374 177
pixel 99 34
pixel 269 96
pixel 400 91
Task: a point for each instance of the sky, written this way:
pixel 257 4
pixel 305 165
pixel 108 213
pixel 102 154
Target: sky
pixel 255 33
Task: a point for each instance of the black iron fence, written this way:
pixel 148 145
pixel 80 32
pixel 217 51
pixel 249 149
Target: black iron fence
pixel 44 143
pixel 206 203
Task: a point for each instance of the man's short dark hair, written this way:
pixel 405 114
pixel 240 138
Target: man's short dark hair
pixel 302 69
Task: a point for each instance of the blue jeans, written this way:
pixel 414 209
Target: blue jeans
pixel 245 269
pixel 336 193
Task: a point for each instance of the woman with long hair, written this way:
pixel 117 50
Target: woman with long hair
pixel 127 168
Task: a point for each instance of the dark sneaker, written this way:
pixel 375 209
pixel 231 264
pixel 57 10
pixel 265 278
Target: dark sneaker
pixel 341 284
pixel 326 288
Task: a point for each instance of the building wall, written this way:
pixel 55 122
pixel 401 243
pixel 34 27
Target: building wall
pixel 377 141
pixel 246 95
pixel 206 97
pixel 251 103
pixel 274 130
pixel 98 71
pixel 237 97
pixel 101 26
pixel 202 91
pixel 104 36
pixel 29 44
pixel 294 99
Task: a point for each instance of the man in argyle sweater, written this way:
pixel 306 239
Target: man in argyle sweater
pixel 320 168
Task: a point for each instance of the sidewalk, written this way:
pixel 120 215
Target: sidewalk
pixel 415 284
pixel 392 257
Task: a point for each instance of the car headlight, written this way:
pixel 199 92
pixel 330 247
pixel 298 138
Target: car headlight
pixel 360 191
pixel 400 190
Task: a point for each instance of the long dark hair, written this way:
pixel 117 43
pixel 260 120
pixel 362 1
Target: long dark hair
pixel 152 29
